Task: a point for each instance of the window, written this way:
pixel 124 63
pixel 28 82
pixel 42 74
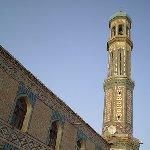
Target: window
pixel 81 140
pixel 80 144
pixel 55 135
pixel 120 63
pixel 120 29
pixel 19 113
pixel 113 32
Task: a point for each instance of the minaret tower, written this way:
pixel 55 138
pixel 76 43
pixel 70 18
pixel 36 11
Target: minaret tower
pixel 118 87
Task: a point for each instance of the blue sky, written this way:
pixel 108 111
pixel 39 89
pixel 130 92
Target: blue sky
pixel 63 43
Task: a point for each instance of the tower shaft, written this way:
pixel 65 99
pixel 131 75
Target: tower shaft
pixel 118 87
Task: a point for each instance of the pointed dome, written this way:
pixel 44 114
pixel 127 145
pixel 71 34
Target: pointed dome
pixel 120 14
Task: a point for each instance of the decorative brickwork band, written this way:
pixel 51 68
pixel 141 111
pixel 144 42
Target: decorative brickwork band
pixel 19 139
pixel 7 146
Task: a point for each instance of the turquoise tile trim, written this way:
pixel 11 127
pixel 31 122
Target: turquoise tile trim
pixel 98 147
pixel 81 135
pixel 24 91
pixel 57 116
pixel 9 147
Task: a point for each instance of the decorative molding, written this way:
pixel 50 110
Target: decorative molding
pixel 108 105
pixel 19 139
pixel 7 146
pixel 119 81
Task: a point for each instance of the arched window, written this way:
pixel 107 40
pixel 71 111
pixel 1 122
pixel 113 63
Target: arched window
pixel 120 29
pixel 80 144
pixel 19 113
pixel 113 32
pixel 120 62
pixel 55 136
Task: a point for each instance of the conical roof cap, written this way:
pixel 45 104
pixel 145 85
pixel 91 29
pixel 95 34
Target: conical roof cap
pixel 120 14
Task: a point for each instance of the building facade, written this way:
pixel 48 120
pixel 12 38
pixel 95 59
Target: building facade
pixel 33 118
pixel 118 87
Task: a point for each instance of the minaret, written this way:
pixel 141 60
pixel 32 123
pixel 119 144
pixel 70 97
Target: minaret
pixel 118 87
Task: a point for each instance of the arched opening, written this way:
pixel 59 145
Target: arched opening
pixel 80 144
pixel 21 114
pixel 55 136
pixel 113 31
pixel 112 63
pixel 120 62
pixel 120 29
pixel 127 31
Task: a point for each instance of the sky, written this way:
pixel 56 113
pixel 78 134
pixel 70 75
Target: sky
pixel 63 44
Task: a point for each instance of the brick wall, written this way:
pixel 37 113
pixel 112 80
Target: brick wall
pixel 46 107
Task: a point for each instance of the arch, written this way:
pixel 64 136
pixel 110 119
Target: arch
pixel 56 116
pixel 120 29
pixel 120 61
pixel 29 99
pixel 113 31
pixel 21 113
pixel 81 140
pixel 55 135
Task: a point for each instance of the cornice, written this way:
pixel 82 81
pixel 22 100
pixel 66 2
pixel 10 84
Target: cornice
pixel 123 138
pixel 118 80
pixel 119 39
pixel 120 17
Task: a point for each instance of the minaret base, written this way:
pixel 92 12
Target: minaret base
pixel 122 142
